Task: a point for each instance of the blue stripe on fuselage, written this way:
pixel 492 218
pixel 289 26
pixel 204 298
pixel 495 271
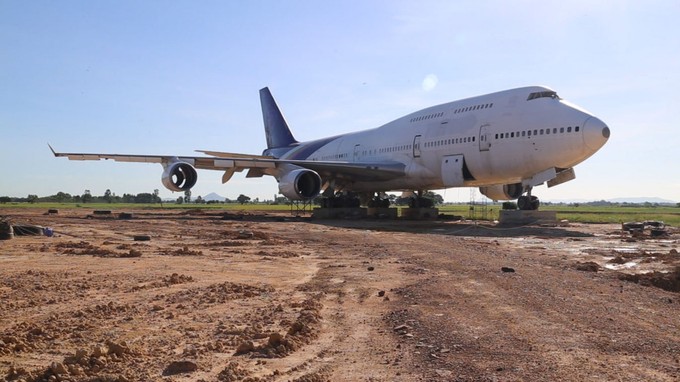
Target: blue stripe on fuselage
pixel 306 149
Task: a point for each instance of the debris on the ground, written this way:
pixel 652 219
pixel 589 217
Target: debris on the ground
pixel 645 229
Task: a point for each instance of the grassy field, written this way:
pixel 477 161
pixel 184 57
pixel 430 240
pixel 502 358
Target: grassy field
pixel 584 214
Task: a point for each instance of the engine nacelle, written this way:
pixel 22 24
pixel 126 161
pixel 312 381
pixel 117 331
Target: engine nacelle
pixel 300 184
pixel 179 176
pixel 503 192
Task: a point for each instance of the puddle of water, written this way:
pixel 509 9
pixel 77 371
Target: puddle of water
pixel 616 267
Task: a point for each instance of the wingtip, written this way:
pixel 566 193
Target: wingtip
pixel 52 149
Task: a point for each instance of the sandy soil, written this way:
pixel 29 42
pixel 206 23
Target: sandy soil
pixel 274 298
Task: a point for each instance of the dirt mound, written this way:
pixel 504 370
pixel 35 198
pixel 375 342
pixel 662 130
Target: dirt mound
pixel 216 294
pixel 82 366
pixel 280 254
pixel 668 281
pixel 302 331
pixel 588 266
pixel 234 372
pixel 183 250
pixel 84 248
pixel 246 234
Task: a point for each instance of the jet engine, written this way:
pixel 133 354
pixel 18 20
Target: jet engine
pixel 179 176
pixel 503 191
pixel 300 184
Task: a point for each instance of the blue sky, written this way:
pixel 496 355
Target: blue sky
pixel 169 77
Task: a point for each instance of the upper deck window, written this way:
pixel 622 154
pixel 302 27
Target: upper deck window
pixel 544 94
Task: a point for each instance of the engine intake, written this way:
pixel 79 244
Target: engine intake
pixel 300 184
pixel 179 176
pixel 503 191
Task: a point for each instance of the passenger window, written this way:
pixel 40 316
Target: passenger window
pixel 561 130
pixel 473 139
pixel 555 130
pixel 524 133
pixel 569 129
pixel 576 129
pixel 529 133
pixel 541 131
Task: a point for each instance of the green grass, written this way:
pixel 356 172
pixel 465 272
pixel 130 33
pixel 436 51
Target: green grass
pixel 587 214
pixel 617 214
pixel 150 206
pixel 583 214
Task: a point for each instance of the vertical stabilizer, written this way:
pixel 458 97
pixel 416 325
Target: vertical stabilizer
pixel 275 126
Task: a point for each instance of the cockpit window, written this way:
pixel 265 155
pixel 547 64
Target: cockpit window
pixel 544 94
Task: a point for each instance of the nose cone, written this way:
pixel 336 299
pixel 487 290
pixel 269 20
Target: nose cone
pixel 595 133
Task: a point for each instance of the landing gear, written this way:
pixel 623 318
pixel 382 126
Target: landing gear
pixel 341 200
pixel 378 202
pixel 528 202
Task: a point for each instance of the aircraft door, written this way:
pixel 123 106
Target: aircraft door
pixel 452 171
pixel 416 146
pixel 484 138
pixel 355 158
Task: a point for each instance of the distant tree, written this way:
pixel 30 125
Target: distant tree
pixel 5 199
pixel 243 199
pixel 144 197
pixel 187 196
pixel 86 197
pixel 157 199
pixel 199 200
pixel 108 196
pixel 61 197
pixel 32 198
pixel 677 205
pixel 180 200
pixel 436 198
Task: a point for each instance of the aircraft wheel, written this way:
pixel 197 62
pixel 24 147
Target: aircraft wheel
pixel 528 203
pixel 524 202
pixel 535 203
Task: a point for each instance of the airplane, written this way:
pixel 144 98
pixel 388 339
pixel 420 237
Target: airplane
pixel 506 143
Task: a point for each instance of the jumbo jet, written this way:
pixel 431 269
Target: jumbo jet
pixel 505 143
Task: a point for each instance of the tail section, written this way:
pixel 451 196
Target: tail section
pixel 275 126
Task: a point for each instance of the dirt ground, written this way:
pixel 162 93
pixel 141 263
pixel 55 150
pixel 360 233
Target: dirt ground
pixel 265 297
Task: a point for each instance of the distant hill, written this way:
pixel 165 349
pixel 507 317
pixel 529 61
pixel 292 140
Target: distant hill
pixel 213 197
pixel 642 199
pixel 634 200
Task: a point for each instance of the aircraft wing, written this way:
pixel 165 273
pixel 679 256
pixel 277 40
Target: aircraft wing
pixel 258 165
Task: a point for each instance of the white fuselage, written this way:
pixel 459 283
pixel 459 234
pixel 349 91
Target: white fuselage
pixel 503 138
